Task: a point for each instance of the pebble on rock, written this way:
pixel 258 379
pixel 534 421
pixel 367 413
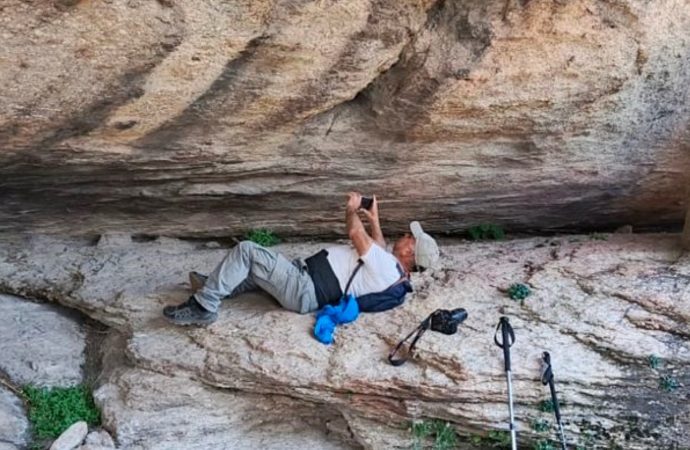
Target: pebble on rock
pixel 100 438
pixel 72 437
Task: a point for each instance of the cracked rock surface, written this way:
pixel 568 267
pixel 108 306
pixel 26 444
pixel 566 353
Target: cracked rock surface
pixel 40 344
pixel 600 307
pixel 13 422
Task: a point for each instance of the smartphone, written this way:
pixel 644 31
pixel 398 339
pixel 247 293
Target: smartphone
pixel 366 202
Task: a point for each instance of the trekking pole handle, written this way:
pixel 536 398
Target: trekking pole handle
pixel 546 371
pixel 547 378
pixel 507 339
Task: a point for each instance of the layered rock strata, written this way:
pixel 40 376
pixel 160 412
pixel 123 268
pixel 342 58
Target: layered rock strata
pixel 211 117
pixel 602 307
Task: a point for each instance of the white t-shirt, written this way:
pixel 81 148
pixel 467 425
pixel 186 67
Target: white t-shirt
pixel 378 272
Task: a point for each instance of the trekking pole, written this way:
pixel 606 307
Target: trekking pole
pixel 507 340
pixel 547 378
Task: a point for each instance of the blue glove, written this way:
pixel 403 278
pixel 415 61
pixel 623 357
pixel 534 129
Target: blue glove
pixel 326 320
pixel 324 329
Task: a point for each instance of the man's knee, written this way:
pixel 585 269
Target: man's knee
pixel 256 255
pixel 247 247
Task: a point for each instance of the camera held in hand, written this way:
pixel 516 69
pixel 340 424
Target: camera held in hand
pixel 366 203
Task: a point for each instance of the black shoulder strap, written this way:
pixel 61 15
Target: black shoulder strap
pixel 403 278
pixel 354 272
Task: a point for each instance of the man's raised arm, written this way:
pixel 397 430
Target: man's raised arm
pixel 374 225
pixel 355 228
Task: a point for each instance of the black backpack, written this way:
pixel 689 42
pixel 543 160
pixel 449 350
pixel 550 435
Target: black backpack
pixel 390 298
pixel 393 296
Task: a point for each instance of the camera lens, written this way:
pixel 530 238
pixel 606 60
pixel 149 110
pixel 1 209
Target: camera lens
pixel 458 315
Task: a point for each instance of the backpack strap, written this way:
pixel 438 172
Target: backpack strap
pixel 403 275
pixel 392 296
pixel 360 263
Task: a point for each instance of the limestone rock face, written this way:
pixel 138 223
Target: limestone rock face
pixel 602 308
pixel 39 345
pixel 13 423
pixel 211 117
pixel 154 411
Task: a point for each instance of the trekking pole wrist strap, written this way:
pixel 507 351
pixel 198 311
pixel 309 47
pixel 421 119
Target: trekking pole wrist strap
pixel 507 339
pixel 410 352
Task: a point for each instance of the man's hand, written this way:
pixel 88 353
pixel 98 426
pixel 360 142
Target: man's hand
pixel 372 214
pixel 354 200
pixel 355 229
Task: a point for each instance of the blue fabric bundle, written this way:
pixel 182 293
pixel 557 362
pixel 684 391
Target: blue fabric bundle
pixel 332 315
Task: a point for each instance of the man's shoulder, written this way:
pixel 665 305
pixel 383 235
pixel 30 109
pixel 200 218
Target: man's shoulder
pixel 379 255
pixel 377 248
pixel 341 252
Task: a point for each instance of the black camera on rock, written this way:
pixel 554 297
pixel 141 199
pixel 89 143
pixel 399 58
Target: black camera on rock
pixel 447 322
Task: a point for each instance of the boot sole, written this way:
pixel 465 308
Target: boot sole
pixel 188 322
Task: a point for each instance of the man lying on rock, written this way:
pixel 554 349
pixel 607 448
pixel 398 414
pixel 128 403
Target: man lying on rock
pixel 305 286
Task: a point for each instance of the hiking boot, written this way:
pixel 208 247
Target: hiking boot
pixel 197 280
pixel 189 313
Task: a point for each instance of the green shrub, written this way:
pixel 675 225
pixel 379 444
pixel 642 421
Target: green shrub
pixel 654 361
pixel 53 410
pixel 263 237
pixel 446 438
pixel 495 439
pixel 541 425
pixel 500 438
pixel 420 431
pixel 518 291
pixel 543 445
pixel 546 405
pixel 486 232
pixel 444 435
pixel 668 383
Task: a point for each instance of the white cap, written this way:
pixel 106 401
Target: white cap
pixel 425 250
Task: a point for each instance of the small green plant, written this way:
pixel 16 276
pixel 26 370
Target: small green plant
pixel 541 425
pixel 446 438
pixel 263 237
pixel 476 440
pixel 495 439
pixel 546 406
pixel 53 410
pixel 668 383
pixel 420 431
pixel 654 361
pixel 499 438
pixel 518 291
pixel 543 445
pixel 444 435
pixel 486 232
